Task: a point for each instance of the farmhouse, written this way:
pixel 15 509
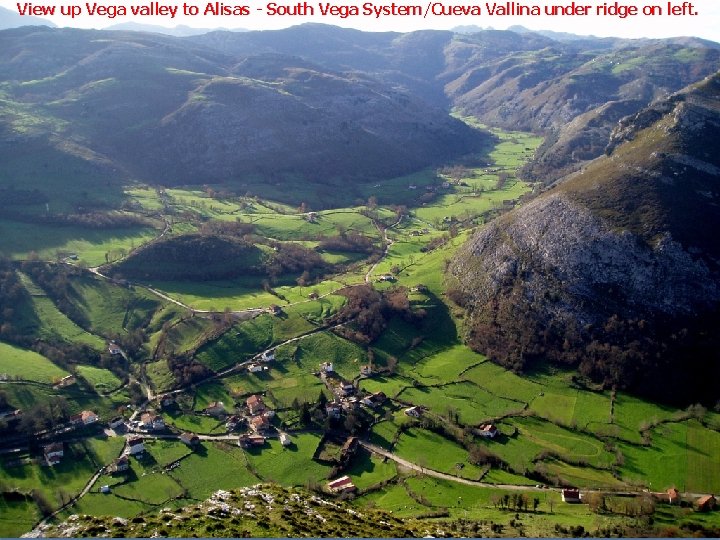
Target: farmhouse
pixel 487 430
pixel 326 367
pixel 673 496
pixel 267 356
pixel 706 503
pixel 121 464
pixel 247 441
pixel 189 438
pixel 366 370
pixel 136 445
pixel 255 404
pixel 215 408
pixel 114 349
pixel 116 422
pixel 571 495
pixel 415 412
pixel 255 368
pixel 84 418
pixel 152 421
pixel 233 422
pixel 259 424
pixel 53 453
pixel 340 485
pixel 333 410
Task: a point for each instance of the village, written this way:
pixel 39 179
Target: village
pixel 250 423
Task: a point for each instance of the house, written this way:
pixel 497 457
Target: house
pixel 326 367
pixel 189 438
pixel 349 404
pixel 333 410
pixel 152 421
pixel 267 356
pixel 366 370
pixel 269 414
pixel 255 404
pixel 116 422
pixel 487 430
pixel 53 453
pixel 341 485
pixel 415 412
pixel 232 422
pixel 571 495
pixel 114 349
pixel 374 400
pixel 255 368
pixel 259 424
pixel 136 445
pixel 275 309
pixel 285 439
pixel 121 464
pixel 313 296
pixel 88 417
pixel 247 441
pixel 673 496
pixel 706 503
pixel 216 408
pixel 387 277
pixel 85 418
pixel 347 389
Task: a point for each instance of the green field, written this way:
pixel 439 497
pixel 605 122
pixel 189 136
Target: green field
pixel 550 424
pixel 430 450
pixel 27 365
pixel 91 246
pixel 102 380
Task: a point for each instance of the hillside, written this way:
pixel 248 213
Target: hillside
pixel 137 106
pixel 573 89
pixel 616 270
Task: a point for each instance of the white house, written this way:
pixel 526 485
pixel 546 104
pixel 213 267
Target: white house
pixel 136 445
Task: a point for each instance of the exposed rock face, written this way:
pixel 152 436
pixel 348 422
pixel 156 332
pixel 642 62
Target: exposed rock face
pixel 614 270
pixel 556 246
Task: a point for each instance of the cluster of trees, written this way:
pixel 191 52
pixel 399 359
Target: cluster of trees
pixel 187 371
pixel 55 280
pixel 672 360
pixel 349 242
pixel 516 502
pixel 12 296
pixel 289 258
pixel 235 228
pixel 371 310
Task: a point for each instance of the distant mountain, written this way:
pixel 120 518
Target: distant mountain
pixel 164 110
pixel 616 270
pixel 180 30
pixel 570 88
pixel 11 19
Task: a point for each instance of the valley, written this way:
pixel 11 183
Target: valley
pixel 200 338
pixel 321 282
